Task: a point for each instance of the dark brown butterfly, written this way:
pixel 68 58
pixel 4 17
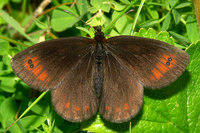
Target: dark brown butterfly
pixel 87 75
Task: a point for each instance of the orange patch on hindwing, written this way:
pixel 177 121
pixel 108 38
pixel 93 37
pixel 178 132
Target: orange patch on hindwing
pixel 107 108
pixel 87 107
pixel 67 105
pixel 126 106
pixel 117 109
pixel 77 108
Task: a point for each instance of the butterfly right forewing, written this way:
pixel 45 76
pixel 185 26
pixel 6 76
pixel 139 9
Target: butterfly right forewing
pixel 154 63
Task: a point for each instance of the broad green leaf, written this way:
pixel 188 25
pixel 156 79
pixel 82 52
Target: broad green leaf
pixel 173 2
pixel 89 32
pixel 32 122
pixel 192 29
pixel 7 85
pixel 121 23
pixel 41 108
pixel 15 128
pixel 125 1
pixel 82 8
pixel 97 5
pixel 193 89
pixel 181 39
pixel 166 22
pixel 149 23
pixel 117 6
pixel 182 5
pixel 8 110
pixel 176 16
pixel 4 47
pixel 62 20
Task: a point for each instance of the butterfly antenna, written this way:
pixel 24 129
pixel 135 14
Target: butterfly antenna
pixel 77 17
pixel 117 19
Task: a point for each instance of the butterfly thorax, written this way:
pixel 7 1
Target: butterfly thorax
pixel 99 57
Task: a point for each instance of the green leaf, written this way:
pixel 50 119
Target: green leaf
pixel 89 32
pixel 62 20
pixel 4 47
pixel 193 89
pixel 103 5
pixel 16 1
pixel 182 5
pixel 10 20
pixel 41 108
pixel 149 23
pixel 166 22
pixel 82 8
pixel 3 2
pixel 8 110
pixel 117 6
pixel 173 2
pixel 40 24
pixel 192 29
pixel 181 39
pixel 121 23
pixel 32 122
pixel 7 85
pixel 176 15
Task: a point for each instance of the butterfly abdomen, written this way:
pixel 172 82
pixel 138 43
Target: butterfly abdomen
pixel 99 70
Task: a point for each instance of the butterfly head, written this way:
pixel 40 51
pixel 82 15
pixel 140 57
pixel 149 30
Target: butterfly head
pixel 99 35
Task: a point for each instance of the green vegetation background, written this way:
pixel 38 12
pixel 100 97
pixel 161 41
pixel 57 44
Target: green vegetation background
pixel 175 108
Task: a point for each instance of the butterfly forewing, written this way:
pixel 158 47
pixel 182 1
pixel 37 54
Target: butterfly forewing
pixel 44 65
pixel 122 94
pixel 154 63
pixel 75 99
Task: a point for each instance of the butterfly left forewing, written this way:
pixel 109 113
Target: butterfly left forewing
pixel 44 65
pixel 122 95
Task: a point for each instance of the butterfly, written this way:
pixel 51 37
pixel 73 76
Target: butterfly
pixel 106 75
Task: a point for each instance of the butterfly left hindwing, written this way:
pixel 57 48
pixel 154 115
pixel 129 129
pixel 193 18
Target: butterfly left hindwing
pixel 75 99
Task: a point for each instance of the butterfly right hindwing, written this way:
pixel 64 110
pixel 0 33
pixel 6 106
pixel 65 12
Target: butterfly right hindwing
pixel 122 95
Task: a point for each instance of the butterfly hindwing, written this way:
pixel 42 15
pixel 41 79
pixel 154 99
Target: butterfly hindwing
pixel 43 66
pixel 75 99
pixel 154 63
pixel 122 95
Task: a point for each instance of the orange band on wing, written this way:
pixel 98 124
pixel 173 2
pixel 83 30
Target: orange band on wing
pixel 157 73
pixel 43 76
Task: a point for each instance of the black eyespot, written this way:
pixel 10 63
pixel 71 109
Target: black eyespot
pixel 169 59
pixel 30 61
pixel 168 63
pixel 31 66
